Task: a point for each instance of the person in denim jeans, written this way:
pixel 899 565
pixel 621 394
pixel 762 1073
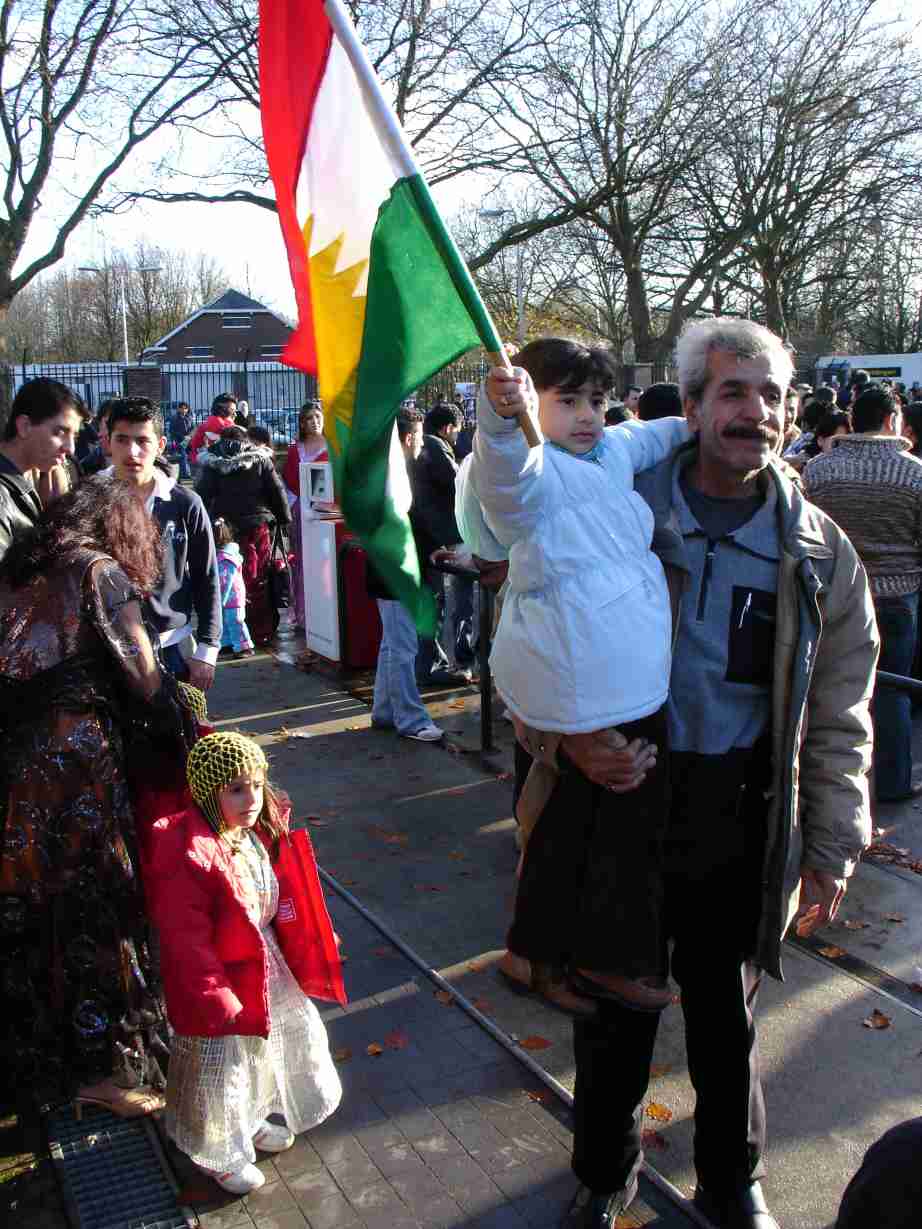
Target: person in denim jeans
pixel 397 702
pixel 181 425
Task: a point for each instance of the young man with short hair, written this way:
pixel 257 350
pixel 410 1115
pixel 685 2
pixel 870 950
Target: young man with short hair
pixel 434 524
pixel 189 581
pixel 181 426
pixel 41 432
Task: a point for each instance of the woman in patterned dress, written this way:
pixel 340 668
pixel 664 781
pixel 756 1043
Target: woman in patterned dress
pixel 78 671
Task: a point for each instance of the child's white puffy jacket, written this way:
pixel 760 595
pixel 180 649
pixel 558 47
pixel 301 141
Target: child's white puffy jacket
pixel 584 640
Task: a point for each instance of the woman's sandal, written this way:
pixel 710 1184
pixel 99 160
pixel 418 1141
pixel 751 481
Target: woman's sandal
pixel 125 1103
pixel 546 980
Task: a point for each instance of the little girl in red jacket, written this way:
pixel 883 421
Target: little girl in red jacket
pixel 245 938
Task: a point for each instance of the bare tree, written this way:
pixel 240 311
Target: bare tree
pixel 82 87
pixel 76 315
pixel 438 62
pixel 813 145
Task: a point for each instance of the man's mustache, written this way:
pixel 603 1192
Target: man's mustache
pixel 750 433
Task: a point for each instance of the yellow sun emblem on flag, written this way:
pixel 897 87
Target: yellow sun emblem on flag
pixel 339 323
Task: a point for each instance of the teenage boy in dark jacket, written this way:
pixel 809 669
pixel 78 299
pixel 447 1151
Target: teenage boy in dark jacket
pixel 189 583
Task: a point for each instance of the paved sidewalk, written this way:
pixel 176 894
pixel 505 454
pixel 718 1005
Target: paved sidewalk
pixel 424 837
pixel 439 1127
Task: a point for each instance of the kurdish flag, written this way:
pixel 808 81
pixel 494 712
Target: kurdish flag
pixel 384 298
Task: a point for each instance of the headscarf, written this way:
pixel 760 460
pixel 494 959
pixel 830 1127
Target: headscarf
pixel 215 761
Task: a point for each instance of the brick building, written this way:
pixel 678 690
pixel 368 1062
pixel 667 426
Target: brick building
pixel 232 329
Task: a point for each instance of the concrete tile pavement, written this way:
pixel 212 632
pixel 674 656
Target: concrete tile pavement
pixel 424 837
pixel 428 846
pixel 439 1125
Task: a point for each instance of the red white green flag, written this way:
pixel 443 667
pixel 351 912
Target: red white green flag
pixel 384 298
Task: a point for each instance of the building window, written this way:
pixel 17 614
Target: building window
pixel 236 322
pixel 199 351
pixel 271 351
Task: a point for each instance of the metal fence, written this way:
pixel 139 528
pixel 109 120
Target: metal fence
pixel 94 382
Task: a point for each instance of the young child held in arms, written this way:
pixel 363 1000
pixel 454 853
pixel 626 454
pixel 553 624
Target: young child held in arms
pixel 583 648
pixel 235 635
pixel 245 938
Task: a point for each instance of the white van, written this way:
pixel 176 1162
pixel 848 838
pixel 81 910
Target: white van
pixel 905 367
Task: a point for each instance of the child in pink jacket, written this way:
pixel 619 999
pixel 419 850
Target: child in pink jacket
pixel 235 634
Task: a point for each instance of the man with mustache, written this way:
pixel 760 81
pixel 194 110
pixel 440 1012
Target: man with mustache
pixel 775 646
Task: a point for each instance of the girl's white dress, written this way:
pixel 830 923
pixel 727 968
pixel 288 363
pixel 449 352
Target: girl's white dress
pixel 221 1088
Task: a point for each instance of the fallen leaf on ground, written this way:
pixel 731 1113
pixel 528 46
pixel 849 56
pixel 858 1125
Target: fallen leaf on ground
pixel 832 952
pixel 316 821
pixel 651 1139
pixel 397 1040
pixel 659 1069
pixel 457 855
pixel 877 1019
pixel 482 1004
pixel 374 1049
pixel 894 917
pixel 445 997
pixel 342 1055
pixel 659 1112
pixel 850 925
pixel 535 1043
pixel 381 951
pixel 542 1095
pixel 348 883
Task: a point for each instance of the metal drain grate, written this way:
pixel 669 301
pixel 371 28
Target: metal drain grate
pixel 113 1173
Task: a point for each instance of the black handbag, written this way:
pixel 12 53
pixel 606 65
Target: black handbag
pixel 280 581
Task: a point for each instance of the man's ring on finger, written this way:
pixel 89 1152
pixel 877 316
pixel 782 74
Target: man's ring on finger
pixel 505 400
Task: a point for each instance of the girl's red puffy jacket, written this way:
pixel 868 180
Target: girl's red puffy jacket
pixel 213 957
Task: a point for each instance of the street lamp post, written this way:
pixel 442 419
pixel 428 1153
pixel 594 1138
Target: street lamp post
pixel 122 280
pixel 519 276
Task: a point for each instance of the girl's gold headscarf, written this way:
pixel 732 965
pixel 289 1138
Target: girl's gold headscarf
pixel 214 762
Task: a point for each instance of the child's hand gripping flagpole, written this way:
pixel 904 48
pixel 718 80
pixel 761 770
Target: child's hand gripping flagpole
pixel 499 358
pixel 403 155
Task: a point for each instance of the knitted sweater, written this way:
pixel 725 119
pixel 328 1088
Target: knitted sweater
pixel 871 486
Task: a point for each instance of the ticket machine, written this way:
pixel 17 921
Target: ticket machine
pixel 321 522
pixel 341 621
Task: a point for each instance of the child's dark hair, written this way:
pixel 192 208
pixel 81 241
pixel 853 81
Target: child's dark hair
pixel 223 532
pixel 559 362
pixel 259 434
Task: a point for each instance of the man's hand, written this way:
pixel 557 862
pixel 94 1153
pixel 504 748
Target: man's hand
pixel 610 760
pixel 511 392
pixel 201 673
pixel 820 896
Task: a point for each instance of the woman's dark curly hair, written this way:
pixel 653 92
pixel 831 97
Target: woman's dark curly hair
pixel 102 514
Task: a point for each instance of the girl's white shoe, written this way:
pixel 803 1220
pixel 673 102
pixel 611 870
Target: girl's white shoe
pixel 238 1182
pixel 270 1137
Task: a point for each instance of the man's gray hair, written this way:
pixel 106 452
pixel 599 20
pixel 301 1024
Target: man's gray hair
pixel 700 338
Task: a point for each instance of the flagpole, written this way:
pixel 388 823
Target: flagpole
pixel 402 155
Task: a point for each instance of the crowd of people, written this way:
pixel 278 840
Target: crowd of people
pixel 686 790
pixel 148 879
